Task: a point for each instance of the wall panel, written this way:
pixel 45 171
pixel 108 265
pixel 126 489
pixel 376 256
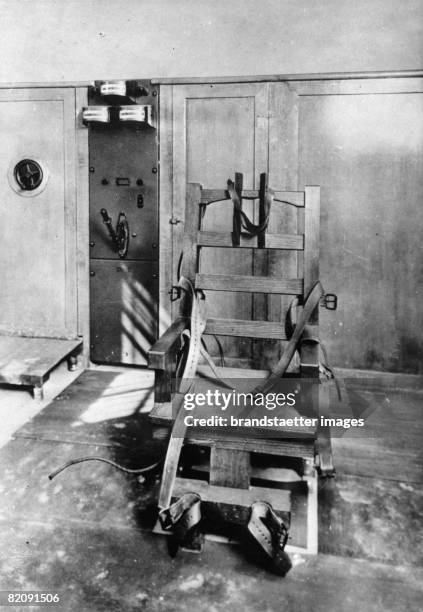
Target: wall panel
pixel 366 151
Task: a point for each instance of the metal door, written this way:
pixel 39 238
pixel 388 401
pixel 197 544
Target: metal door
pixel 38 211
pixel 123 180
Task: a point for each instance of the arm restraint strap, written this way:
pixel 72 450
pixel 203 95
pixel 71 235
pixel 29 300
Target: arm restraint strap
pixel 311 303
pixel 176 441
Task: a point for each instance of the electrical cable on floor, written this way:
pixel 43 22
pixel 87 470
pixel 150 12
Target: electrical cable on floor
pixel 109 461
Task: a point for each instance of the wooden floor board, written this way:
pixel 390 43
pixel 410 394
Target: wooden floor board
pixel 99 407
pixel 96 568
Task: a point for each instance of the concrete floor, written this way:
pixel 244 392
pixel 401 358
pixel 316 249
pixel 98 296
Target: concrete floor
pixel 87 534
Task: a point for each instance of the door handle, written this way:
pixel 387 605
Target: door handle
pixel 119 235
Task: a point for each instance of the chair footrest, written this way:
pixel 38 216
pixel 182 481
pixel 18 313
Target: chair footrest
pixel 296 506
pixel 280 500
pixel 291 447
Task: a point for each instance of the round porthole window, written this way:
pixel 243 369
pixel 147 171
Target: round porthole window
pixel 28 176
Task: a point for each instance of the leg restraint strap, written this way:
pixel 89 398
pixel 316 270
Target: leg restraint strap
pixel 185 511
pixel 271 534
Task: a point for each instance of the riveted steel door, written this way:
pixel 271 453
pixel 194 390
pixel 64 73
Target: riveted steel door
pixel 123 186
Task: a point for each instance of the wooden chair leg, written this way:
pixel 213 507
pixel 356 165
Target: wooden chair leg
pixel 72 362
pixel 162 386
pixel 38 393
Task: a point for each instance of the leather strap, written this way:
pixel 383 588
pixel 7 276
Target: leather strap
pixel 186 508
pixel 235 190
pixel 271 534
pixel 311 303
pixel 183 515
pixel 241 219
pixel 176 441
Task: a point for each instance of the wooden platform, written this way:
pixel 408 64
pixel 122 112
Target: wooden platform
pixel 29 361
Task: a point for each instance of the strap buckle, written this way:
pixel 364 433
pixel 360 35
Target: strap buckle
pixel 168 517
pixel 329 301
pixel 175 292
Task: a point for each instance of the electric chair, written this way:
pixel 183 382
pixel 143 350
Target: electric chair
pixel 241 491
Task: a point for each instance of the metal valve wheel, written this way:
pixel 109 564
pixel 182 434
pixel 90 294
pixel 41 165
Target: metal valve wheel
pixel 28 174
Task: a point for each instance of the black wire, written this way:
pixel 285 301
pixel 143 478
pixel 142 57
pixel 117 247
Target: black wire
pixel 109 461
pixel 219 346
pixel 221 353
pixel 181 256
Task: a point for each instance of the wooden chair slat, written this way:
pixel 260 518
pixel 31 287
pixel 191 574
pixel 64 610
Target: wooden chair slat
pixel 293 242
pixel 246 329
pixel 294 198
pixel 249 284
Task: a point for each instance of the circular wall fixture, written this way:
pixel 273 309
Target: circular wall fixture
pixel 28 176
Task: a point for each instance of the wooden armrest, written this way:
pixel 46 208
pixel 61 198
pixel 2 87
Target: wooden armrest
pixel 161 350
